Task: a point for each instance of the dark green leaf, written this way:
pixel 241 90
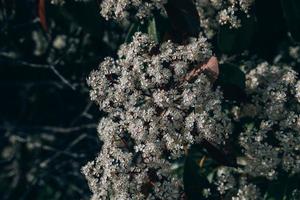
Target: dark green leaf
pixel 183 18
pixel 235 40
pixel 196 178
pixel 276 191
pixel 132 29
pixel 271 28
pixel 232 81
pixel 291 11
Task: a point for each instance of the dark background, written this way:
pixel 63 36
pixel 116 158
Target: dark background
pixel 47 122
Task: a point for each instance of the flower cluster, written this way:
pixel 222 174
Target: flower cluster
pixel 232 186
pixel 271 142
pixel 247 192
pixel 125 171
pixel 156 106
pixel 213 13
pixel 119 9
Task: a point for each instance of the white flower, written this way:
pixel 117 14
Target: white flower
pixel 153 115
pixel 248 192
pixel 213 13
pixel 272 144
pixel 119 9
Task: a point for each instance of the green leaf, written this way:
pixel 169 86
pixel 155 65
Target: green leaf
pixel 291 11
pixel 292 184
pixel 195 178
pixel 232 81
pixel 283 188
pixel 184 19
pixel 152 30
pixel 155 27
pixel 235 40
pixel 132 29
pixel 275 191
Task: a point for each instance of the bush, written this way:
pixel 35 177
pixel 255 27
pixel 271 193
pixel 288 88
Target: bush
pixel 197 99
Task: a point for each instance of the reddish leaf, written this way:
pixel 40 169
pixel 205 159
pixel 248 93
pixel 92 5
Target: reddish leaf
pixel 42 14
pixel 210 68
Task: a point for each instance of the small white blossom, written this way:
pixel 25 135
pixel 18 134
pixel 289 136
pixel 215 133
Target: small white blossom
pixel 119 9
pixel 273 143
pixel 225 180
pixel 153 114
pixel 213 13
pixel 248 192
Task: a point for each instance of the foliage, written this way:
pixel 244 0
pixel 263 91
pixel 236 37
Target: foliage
pixel 47 50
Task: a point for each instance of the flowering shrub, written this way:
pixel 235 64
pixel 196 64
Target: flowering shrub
pixel 154 113
pixel 176 124
pixel 193 99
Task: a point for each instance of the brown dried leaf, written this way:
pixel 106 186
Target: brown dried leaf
pixel 210 68
pixel 42 14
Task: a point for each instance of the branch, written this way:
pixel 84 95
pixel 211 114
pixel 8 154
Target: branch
pixel 6 58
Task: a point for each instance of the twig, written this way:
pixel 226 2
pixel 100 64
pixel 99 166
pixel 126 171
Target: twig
pixel 43 66
pixel 51 128
pixel 84 113
pixel 76 141
pixel 63 79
